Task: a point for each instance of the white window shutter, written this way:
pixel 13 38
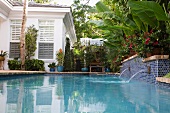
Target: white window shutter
pixel 46 30
pixel 45 50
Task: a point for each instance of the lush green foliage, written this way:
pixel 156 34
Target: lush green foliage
pixel 52 65
pixel 34 65
pixel 167 75
pixel 14 64
pixel 81 19
pixel 30 65
pixel 130 26
pixel 67 57
pixel 30 41
pixel 91 54
pixel 60 57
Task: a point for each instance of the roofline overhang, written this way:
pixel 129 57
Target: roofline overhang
pixel 3 17
pixel 70 24
pixel 41 9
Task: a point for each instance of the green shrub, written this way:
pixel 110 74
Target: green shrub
pixel 30 41
pixel 34 65
pixel 167 75
pixel 67 56
pixel 14 64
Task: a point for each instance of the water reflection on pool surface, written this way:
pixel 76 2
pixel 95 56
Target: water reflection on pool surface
pixel 77 94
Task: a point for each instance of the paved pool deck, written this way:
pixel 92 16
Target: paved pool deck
pixel 19 72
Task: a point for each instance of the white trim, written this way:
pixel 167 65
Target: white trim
pixel 53 15
pixel 42 9
pixel 6 3
pixel 3 17
pixel 3 12
pixel 68 21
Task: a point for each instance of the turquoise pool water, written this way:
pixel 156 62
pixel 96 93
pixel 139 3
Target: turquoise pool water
pixel 80 94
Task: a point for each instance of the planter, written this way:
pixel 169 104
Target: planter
pixel 107 70
pixel 60 68
pixel 78 65
pixel 2 58
pixel 52 69
pixel 85 69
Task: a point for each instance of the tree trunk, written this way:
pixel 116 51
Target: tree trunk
pixel 22 38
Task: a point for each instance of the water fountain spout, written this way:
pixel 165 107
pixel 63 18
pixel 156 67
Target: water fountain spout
pixel 134 75
pixel 123 72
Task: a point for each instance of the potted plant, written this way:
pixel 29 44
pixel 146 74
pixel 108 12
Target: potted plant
pixel 2 55
pixel 52 66
pixel 60 59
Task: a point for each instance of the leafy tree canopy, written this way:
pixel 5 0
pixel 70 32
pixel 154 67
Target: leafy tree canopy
pixel 81 14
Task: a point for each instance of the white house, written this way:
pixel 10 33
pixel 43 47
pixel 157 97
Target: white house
pixel 54 23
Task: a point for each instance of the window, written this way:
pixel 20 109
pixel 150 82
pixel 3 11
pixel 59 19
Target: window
pixel 14 50
pixel 15 31
pixel 45 51
pixel 46 39
pixel 46 30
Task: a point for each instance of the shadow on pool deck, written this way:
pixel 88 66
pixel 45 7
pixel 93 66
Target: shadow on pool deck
pixel 14 72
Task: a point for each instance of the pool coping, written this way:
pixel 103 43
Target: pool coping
pixel 163 79
pixel 16 72
pixel 19 72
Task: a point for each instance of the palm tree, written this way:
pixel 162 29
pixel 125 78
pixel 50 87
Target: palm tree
pixel 22 38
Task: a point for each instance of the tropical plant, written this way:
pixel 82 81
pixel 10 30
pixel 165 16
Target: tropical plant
pixel 155 16
pixel 148 12
pixel 60 57
pixel 52 65
pixel 3 53
pixel 78 50
pixel 14 64
pixel 89 55
pixel 116 26
pixel 80 16
pixel 124 23
pixel 30 41
pixel 34 65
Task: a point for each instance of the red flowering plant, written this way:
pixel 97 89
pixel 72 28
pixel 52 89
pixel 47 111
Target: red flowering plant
pixel 60 57
pixel 146 42
pixel 130 45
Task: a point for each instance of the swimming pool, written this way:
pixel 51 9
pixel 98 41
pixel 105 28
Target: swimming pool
pixel 80 94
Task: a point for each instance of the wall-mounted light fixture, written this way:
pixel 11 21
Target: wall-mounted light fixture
pixel 129 68
pixel 149 69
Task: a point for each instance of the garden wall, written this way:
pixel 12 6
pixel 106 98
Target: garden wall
pixel 150 68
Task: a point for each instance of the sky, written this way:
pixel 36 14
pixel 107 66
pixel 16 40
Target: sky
pixel 69 2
